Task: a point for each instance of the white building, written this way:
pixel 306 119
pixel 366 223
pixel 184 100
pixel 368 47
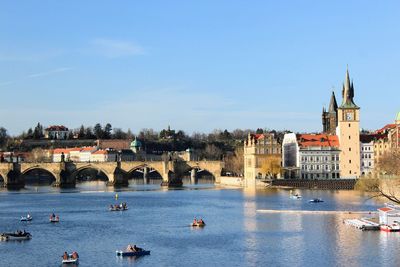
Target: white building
pixel 367 154
pixel 103 155
pixel 389 215
pixel 290 156
pixel 85 153
pixel 56 132
pixel 59 152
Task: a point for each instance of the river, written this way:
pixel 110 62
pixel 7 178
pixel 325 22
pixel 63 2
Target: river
pixel 158 219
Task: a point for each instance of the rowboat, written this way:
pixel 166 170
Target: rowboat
pixel 198 224
pixel 70 261
pixel 132 253
pixel 71 258
pixel 15 236
pixel 54 219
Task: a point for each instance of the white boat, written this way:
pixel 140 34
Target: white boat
pixel 71 259
pixel 26 219
pixel 395 227
pixel 19 235
pixel 315 200
pixel 296 196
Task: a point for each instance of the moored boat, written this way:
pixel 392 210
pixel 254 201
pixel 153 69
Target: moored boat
pixel 296 196
pixel 18 235
pixel 395 227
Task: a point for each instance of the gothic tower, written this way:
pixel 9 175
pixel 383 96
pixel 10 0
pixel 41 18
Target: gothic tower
pixel 349 132
pixel 330 117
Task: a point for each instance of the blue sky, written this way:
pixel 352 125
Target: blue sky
pixel 196 65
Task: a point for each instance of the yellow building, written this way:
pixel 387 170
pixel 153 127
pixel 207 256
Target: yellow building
pixel 348 132
pixel 262 156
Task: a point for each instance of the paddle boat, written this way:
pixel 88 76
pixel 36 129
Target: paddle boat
pixel 315 200
pixel 132 251
pixel 198 223
pixel 26 219
pixel 395 227
pixel 18 235
pixel 119 207
pixel 72 258
pixel 54 219
pixel 295 196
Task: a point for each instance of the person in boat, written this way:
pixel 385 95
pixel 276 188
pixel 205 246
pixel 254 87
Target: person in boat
pixel 65 256
pixel 75 255
pixel 28 216
pixel 53 215
pixel 194 220
pixel 130 248
pixel 201 221
pixel 137 248
pixel 111 207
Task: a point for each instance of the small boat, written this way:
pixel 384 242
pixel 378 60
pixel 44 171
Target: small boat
pixel 71 259
pixel 18 235
pixel 132 253
pixel 315 200
pixel 120 207
pixel 198 223
pixel 395 227
pixel 26 219
pixel 54 219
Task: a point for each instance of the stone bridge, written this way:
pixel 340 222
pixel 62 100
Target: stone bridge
pixel 117 173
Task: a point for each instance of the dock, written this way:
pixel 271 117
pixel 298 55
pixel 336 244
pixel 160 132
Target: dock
pixel 362 224
pixel 317 211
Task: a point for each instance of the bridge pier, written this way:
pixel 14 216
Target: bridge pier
pixel 193 177
pixel 145 175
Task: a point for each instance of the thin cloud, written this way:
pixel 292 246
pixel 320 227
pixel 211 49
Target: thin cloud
pixel 116 48
pixel 47 73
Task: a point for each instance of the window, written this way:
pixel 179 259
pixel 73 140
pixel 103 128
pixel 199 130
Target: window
pixel 349 125
pixel 349 160
pixel 350 172
pixel 349 148
pixel 349 137
pixel 369 164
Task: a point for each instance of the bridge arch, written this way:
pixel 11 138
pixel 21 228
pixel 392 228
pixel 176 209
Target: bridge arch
pixel 39 176
pixel 144 174
pixel 89 174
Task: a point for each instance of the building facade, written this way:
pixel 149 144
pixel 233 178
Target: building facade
pixel 349 132
pixel 367 154
pixel 262 156
pixel 59 132
pixel 290 156
pixel 319 156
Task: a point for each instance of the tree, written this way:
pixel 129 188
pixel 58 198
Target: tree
pixel 3 137
pixel 118 133
pixel 212 152
pixel 98 131
pixel 385 183
pixel 89 133
pixel 234 161
pixel 271 165
pixel 107 131
pixel 259 131
pixel 38 131
pixel 129 134
pixel 81 133
pixel 38 155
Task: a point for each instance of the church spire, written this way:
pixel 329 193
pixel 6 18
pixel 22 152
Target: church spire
pixel 348 93
pixel 333 104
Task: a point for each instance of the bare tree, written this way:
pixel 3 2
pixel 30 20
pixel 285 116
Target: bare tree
pixel 385 183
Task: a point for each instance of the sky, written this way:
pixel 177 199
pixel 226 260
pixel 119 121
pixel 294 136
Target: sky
pixel 195 65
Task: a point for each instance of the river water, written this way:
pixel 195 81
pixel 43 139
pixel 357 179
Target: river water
pixel 158 219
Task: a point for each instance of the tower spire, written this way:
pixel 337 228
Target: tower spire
pixel 333 104
pixel 348 92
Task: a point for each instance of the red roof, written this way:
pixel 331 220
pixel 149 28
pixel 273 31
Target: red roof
pixel 100 152
pixel 325 140
pixel 385 209
pixel 86 149
pixel 385 128
pixel 61 150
